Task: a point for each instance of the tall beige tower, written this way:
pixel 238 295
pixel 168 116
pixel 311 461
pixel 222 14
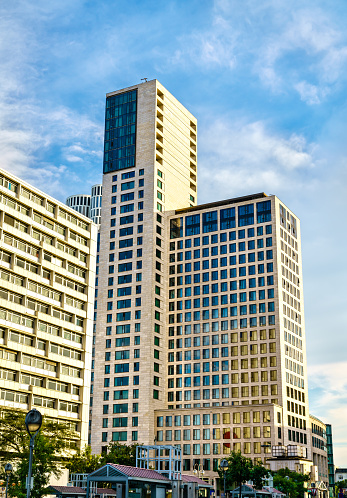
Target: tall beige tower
pixel 149 168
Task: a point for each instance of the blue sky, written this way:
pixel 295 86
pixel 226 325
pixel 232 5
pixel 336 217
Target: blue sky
pixel 266 80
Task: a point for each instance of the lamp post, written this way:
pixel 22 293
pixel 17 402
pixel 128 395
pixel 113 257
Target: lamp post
pixel 33 421
pixel 224 465
pixel 287 477
pixel 8 472
pixel 198 469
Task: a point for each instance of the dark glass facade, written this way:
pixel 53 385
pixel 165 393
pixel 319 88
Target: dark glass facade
pixel 120 131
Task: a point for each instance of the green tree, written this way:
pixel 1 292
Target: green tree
pixel 291 483
pixel 52 448
pixel 241 470
pixel 259 475
pixel 122 454
pixel 340 485
pixel 83 462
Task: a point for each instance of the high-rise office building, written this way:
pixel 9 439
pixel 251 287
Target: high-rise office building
pixel 95 204
pixel 199 337
pixel 47 262
pixel 79 203
pixel 236 377
pixel 88 205
pixel 149 168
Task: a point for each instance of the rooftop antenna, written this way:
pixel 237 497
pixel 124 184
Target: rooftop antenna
pixel 144 79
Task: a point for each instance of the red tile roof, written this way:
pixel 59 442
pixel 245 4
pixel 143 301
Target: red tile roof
pixel 274 490
pixel 187 478
pixel 106 491
pixel 73 490
pixel 140 473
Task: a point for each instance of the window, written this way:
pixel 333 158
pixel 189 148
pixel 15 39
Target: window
pixel 192 225
pixel 127 185
pixel 263 212
pixel 127 197
pixel 227 218
pixel 124 220
pixel 245 215
pixel 209 222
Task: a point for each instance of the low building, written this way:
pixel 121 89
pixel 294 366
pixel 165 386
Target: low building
pixel 320 472
pixel 275 493
pixel 248 491
pixel 137 482
pixel 340 474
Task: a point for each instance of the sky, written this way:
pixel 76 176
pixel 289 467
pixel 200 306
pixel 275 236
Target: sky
pixel 267 82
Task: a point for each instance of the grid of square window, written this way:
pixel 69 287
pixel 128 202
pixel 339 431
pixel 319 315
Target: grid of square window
pixel 202 435
pixel 291 307
pixel 222 285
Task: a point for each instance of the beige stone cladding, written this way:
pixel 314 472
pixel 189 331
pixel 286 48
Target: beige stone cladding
pixel 164 177
pixel 235 321
pixel 47 274
pixel 206 435
pixel 319 450
pixel 292 323
pixel 198 307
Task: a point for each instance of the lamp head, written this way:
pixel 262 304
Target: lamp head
pixel 33 421
pixel 224 465
pixel 8 468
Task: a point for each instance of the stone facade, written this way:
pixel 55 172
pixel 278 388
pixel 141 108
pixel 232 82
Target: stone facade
pixel 236 333
pixel 199 308
pixel 319 450
pixel 164 178
pixel 47 273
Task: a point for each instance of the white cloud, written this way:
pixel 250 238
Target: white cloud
pixel 311 94
pixel 208 49
pixel 74 159
pixel 246 157
pixel 289 48
pixel 328 396
pixel 34 127
pixel 28 132
pixel 307 43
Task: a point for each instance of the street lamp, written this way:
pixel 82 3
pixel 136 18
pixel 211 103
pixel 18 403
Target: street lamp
pixel 224 465
pixel 33 421
pixel 287 477
pixel 198 469
pixel 8 472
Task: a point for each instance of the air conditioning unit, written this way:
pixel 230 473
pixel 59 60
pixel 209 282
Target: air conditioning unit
pixel 279 451
pixel 296 451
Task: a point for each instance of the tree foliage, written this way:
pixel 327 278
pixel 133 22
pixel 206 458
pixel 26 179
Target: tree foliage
pixel 52 448
pixel 122 454
pixel 241 470
pixel 291 483
pixel 83 462
pixel 259 475
pixel 340 485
